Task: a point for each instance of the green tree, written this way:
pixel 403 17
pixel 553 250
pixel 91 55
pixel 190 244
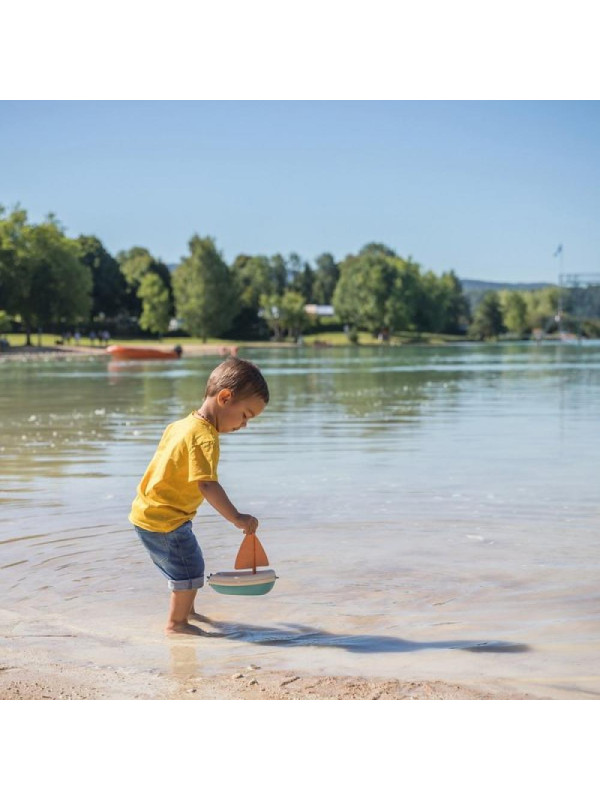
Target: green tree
pixel 5 322
pixel 445 307
pixel 42 279
pixel 542 306
pixel 271 313
pixel 15 267
pixel 205 294
pixel 134 264
pixel 253 277
pixel 109 289
pixel 294 268
pixel 303 283
pixel 279 273
pixel 514 311
pixel 377 248
pixel 376 291
pixel 155 304
pixel 326 277
pixel 293 316
pixel 456 305
pixel 488 321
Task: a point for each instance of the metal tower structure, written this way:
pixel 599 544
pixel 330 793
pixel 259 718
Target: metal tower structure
pixel 579 297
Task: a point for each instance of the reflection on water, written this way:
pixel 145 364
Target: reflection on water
pixel 415 487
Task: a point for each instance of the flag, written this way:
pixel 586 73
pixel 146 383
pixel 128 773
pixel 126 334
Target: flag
pixel 558 250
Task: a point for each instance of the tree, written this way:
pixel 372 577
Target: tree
pixel 15 269
pixel 377 291
pixel 326 277
pixel 445 309
pixel 5 322
pixel 292 313
pixel 205 294
pixel 109 289
pixel 488 322
pixel 542 305
pixel 155 304
pixel 134 264
pixel 41 277
pixel 377 248
pixel 303 283
pixel 271 313
pixel 514 311
pixel 294 268
pixel 279 273
pixel 253 277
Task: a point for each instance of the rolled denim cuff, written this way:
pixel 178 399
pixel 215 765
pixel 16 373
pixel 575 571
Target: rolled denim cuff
pixel 183 586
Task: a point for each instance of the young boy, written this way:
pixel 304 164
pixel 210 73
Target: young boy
pixel 183 473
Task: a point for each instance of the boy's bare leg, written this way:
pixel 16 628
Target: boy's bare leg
pixel 182 604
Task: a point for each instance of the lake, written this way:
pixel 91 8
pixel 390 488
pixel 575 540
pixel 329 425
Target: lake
pixel 432 513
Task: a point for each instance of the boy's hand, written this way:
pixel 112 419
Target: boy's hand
pixel 217 497
pixel 246 522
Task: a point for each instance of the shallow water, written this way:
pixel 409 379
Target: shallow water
pixel 432 514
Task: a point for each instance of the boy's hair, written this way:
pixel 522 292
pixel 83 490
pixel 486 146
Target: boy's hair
pixel 242 378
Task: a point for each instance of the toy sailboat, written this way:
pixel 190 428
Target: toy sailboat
pixel 250 556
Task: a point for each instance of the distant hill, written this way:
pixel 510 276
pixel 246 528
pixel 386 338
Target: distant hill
pixel 474 290
pixel 486 286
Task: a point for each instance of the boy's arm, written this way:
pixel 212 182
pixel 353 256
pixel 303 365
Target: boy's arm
pixel 217 497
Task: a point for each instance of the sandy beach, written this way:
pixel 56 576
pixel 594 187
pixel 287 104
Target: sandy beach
pixel 52 658
pixel 59 682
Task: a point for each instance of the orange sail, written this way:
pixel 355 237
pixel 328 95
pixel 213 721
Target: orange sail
pixel 251 554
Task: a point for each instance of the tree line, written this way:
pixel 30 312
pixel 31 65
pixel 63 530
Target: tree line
pixel 50 281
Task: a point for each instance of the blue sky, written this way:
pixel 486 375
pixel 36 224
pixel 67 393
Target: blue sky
pixel 488 189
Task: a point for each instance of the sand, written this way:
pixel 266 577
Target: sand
pixel 69 682
pixel 73 684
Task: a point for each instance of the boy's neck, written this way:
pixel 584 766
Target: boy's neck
pixel 207 412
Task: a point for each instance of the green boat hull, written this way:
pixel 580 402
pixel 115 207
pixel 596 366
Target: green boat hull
pixel 252 589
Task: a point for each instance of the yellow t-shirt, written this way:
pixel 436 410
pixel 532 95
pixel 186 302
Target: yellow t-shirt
pixel 168 494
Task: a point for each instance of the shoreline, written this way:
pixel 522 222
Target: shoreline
pixel 62 352
pixel 60 682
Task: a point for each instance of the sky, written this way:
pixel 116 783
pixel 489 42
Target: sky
pixel 488 189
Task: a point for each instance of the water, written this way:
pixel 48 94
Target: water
pixel 431 512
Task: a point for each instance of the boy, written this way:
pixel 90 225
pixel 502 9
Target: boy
pixel 183 473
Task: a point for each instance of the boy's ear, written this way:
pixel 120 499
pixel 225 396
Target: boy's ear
pixel 224 396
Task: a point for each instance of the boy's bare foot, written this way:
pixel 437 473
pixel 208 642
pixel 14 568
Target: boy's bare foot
pixel 189 630
pixel 185 628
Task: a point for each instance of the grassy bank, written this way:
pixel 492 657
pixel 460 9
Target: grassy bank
pixel 332 339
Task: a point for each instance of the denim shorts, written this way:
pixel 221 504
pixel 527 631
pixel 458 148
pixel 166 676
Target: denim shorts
pixel 177 555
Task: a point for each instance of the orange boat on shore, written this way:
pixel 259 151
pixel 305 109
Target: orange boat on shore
pixel 123 353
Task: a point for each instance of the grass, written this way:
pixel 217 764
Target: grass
pixel 338 338
pixel 333 338
pixel 49 340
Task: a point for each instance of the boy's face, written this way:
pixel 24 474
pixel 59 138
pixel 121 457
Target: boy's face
pixel 235 414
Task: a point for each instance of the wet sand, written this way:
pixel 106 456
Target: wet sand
pixel 49 658
pixel 60 682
